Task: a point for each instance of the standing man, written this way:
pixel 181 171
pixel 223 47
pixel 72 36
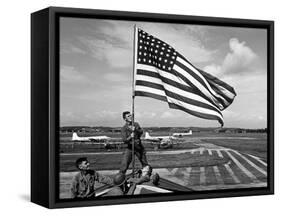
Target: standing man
pixel 83 184
pixel 129 131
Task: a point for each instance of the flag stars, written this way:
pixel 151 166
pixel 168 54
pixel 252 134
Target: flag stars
pixel 154 52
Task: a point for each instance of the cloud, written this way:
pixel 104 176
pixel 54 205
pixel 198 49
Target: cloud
pixel 107 114
pixel 116 77
pixel 113 41
pixel 169 114
pixel 145 115
pixel 70 48
pixel 69 74
pixel 239 60
pixel 187 40
pixel 105 50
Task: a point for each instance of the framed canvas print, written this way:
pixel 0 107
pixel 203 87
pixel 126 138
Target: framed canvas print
pixel 138 107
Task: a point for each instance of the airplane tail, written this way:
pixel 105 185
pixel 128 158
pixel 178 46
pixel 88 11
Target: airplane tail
pixel 147 136
pixel 75 136
pixel 190 132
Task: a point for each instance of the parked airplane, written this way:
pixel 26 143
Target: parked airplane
pixel 164 141
pixel 182 134
pixel 75 137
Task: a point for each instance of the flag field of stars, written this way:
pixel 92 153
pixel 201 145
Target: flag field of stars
pixel 154 52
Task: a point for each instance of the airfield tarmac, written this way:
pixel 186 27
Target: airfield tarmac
pixel 212 162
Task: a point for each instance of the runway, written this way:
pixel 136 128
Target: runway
pixel 241 171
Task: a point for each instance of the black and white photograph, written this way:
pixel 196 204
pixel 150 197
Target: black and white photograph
pixel 149 108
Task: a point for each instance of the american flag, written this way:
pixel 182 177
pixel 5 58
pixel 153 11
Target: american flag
pixel 164 74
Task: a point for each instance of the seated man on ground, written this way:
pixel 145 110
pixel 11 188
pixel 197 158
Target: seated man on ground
pixel 83 183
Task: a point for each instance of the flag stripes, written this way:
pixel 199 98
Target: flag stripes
pixel 172 83
pixel 180 95
pixel 164 74
pixel 185 98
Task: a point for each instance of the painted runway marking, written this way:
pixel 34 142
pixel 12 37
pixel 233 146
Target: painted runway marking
pixel 258 159
pixel 241 167
pixel 219 153
pixel 218 175
pixel 210 151
pixel 202 176
pixel 187 175
pixel 234 177
pixel 252 164
pixel 173 171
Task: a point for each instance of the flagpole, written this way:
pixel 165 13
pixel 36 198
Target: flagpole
pixel 133 97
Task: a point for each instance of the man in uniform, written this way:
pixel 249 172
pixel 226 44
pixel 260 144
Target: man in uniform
pixel 83 184
pixel 145 177
pixel 128 132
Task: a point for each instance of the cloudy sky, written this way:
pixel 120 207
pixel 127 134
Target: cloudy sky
pixel 96 72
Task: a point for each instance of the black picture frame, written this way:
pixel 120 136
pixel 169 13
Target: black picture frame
pixel 45 104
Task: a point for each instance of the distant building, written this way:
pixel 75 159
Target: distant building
pixel 220 130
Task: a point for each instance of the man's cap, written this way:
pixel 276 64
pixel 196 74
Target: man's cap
pixel 119 179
